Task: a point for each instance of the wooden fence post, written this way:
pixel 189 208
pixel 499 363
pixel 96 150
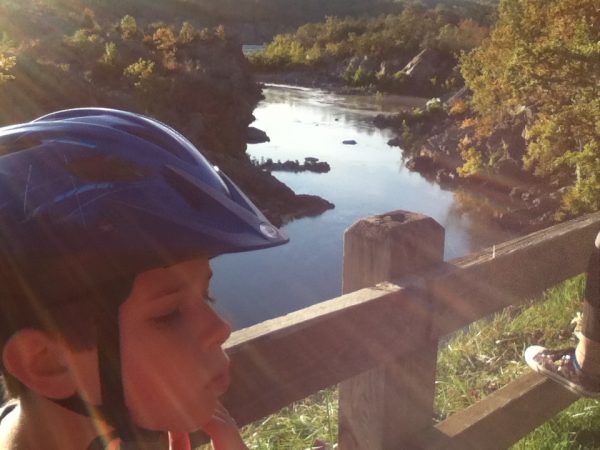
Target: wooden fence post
pixel 382 408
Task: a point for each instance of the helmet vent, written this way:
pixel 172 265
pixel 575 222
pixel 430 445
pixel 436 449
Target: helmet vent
pixel 18 143
pixel 190 192
pixel 102 168
pixel 159 138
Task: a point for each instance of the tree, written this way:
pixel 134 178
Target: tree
pixel 543 58
pixel 6 64
pixel 110 55
pixel 164 39
pixel 187 34
pixel 128 26
pixel 465 36
pixel 107 68
pixel 141 72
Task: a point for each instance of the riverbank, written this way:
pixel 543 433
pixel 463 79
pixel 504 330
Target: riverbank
pixel 278 202
pixel 431 139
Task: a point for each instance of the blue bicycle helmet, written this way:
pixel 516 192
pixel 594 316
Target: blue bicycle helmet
pixel 91 196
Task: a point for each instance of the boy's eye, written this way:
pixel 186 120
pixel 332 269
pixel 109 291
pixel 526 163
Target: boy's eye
pixel 170 317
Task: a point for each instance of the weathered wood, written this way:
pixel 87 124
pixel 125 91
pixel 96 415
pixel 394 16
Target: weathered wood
pixel 287 359
pixel 280 361
pixel 470 288
pixel 380 408
pixel 502 418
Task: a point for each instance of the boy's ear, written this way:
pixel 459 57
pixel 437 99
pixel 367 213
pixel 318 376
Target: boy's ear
pixel 38 361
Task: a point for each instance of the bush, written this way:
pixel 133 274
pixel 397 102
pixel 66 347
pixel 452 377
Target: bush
pixel 473 162
pixel 164 39
pixel 434 104
pixel 128 27
pixel 459 107
pixel 187 34
pixel 6 64
pixel 140 71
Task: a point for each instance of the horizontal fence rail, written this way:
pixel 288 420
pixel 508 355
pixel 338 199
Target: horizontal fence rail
pixel 378 333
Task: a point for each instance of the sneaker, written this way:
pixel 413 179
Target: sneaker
pixel 562 367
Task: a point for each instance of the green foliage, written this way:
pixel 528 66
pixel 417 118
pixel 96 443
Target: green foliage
pixel 463 37
pixel 6 43
pixel 6 64
pixel 128 27
pixel 489 354
pixel 397 37
pixel 141 72
pixel 220 32
pixel 283 51
pixel 473 162
pixel 361 77
pixel 164 39
pixel 584 194
pixel 543 58
pixel 110 55
pixel 459 107
pixel 297 426
pixel 434 104
pixel 107 69
pixel 85 43
pixel 82 38
pixel 187 34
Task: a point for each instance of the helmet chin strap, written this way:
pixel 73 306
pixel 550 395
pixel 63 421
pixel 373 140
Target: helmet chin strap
pixel 113 409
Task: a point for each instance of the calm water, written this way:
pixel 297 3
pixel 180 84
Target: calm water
pixel 365 179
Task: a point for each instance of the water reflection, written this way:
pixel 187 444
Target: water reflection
pixel 365 179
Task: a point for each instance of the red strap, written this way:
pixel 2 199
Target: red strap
pixel 179 441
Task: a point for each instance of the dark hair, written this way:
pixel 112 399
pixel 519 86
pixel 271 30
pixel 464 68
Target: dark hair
pixel 74 320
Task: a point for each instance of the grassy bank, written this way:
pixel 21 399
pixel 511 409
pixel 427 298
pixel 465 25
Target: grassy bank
pixel 471 365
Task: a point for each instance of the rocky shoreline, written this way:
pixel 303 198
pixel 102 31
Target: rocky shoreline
pixel 276 200
pixel 511 196
pixel 309 165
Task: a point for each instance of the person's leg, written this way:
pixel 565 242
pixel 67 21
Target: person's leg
pixel 577 369
pixel 588 348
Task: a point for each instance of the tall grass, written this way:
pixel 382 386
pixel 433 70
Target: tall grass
pixel 304 425
pixel 471 364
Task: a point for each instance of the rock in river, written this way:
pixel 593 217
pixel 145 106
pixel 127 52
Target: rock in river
pixel 256 136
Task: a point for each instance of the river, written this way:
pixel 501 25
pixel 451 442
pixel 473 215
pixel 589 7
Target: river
pixel 365 179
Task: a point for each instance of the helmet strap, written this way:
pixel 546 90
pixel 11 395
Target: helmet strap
pixel 113 408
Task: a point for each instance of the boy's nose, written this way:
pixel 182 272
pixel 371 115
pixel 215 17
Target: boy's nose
pixel 218 331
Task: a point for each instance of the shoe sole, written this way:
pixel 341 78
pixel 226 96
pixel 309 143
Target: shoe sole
pixel 533 351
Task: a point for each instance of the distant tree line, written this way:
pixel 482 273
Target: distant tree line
pixel 385 44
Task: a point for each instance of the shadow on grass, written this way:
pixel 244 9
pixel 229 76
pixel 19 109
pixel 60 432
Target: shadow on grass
pixel 589 438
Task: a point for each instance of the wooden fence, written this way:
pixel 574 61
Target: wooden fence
pixel 379 341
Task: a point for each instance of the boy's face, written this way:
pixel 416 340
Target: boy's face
pixel 173 366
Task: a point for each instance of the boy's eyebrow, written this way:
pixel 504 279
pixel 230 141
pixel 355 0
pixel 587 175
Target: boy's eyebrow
pixel 175 287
